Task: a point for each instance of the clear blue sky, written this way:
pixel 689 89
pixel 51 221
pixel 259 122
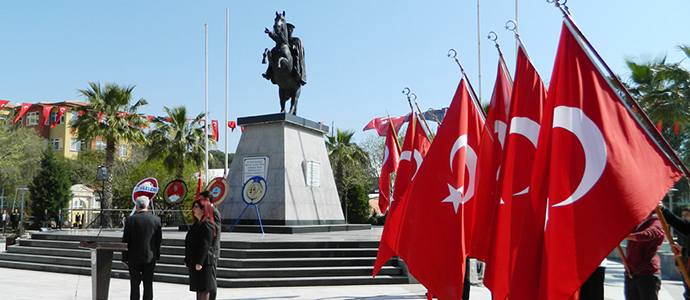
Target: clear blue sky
pixel 359 54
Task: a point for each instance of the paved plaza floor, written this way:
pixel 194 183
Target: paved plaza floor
pixel 23 284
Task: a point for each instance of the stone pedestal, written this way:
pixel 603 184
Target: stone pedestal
pixel 300 185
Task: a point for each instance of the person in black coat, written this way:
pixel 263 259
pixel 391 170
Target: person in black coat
pixel 216 239
pixel 682 226
pixel 143 235
pixel 199 250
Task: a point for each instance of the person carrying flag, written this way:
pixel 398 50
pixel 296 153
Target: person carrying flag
pixel 643 281
pixel 682 226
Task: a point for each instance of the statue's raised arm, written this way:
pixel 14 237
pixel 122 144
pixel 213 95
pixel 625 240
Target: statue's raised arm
pixel 285 63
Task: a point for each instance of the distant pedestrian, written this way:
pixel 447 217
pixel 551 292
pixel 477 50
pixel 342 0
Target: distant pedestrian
pixel 143 236
pixel 45 219
pixel 15 218
pixel 77 219
pixel 59 219
pixel 5 218
pixel 123 219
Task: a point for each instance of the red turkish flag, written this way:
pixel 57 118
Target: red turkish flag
pixel 381 124
pixel 61 111
pixel 46 113
pixel 490 156
pixel 414 149
pixel 597 172
pixel 3 103
pixel 432 233
pixel 199 185
pixel 22 111
pixel 214 129
pixel 391 156
pixel 232 125
pixel 520 145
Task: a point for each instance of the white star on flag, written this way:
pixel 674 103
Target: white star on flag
pixel 456 197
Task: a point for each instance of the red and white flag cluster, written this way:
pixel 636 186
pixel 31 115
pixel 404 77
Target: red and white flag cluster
pixel 542 191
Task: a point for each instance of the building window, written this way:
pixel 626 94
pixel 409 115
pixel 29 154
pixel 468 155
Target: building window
pixel 122 150
pixel 77 204
pixel 20 123
pixel 75 116
pixel 32 118
pixel 53 117
pixel 76 145
pixel 96 205
pixel 100 145
pixel 57 144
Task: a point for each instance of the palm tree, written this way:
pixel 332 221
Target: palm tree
pixel 346 159
pixel 178 141
pixel 662 89
pixel 111 118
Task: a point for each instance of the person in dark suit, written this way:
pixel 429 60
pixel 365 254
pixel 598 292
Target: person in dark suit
pixel 143 236
pixel 216 239
pixel 199 250
pixel 59 219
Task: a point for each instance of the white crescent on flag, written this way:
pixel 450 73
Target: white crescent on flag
pixel 593 143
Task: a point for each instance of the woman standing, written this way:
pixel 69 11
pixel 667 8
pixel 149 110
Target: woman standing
pixel 199 250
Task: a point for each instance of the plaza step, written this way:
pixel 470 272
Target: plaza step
pixel 242 263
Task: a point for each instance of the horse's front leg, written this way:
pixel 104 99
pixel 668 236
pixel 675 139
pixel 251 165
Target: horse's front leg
pixel 284 96
pixel 293 101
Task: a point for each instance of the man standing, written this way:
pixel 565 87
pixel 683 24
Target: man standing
pixel 644 280
pixel 15 218
pixel 46 219
pixel 143 236
pixel 216 238
pixel 59 219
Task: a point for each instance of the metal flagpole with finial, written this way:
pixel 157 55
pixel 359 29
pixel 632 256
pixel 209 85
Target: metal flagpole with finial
pixel 206 96
pixel 453 54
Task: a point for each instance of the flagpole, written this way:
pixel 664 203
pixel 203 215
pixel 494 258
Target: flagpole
pixel 624 260
pixel 473 95
pixel 409 100
pixel 397 141
pixel 206 96
pixel 500 56
pixel 227 80
pixel 479 53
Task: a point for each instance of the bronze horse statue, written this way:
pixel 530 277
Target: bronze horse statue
pixel 285 63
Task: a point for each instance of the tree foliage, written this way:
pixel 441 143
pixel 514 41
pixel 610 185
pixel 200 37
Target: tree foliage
pixel 111 117
pixel 662 89
pixel 178 141
pixel 21 150
pixel 350 164
pixel 50 189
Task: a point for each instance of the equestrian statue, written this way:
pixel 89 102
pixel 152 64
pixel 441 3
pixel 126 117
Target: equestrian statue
pixel 285 63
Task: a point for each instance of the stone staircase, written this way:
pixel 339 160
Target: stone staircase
pixel 242 263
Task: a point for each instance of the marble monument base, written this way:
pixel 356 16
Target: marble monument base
pixel 289 152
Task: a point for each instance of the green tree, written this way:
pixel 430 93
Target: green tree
pixel 51 187
pixel 178 141
pixel 350 164
pixel 111 118
pixel 21 150
pixel 662 88
pixel 663 91
pixel 218 161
